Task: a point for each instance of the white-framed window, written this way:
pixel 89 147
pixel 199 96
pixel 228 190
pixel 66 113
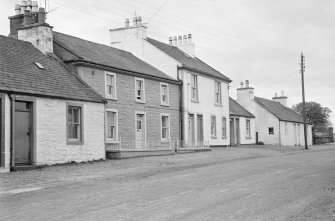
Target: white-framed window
pixel 111 125
pixel 164 94
pixel 139 90
pixel 110 85
pixel 194 87
pixel 271 131
pixel 74 123
pixel 165 127
pixel 213 126
pixel 224 128
pixel 247 128
pixel 218 96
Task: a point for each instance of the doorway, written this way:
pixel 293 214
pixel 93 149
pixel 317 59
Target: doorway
pixel 200 131
pixel 140 131
pixel 238 137
pixel 191 137
pixel 23 124
pixel 232 132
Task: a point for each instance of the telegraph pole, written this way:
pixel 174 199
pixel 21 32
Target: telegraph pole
pixel 303 98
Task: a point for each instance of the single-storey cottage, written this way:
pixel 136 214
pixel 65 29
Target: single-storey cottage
pixel 205 99
pixel 275 123
pixel 242 124
pixel 47 114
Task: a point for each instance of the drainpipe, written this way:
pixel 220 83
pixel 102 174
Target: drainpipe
pixel 12 100
pixel 181 109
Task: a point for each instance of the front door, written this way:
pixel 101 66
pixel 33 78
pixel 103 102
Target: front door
pixel 232 132
pixel 140 131
pixel 22 132
pixel 237 125
pixel 200 131
pixel 191 130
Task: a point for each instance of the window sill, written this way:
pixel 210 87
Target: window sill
pixel 218 105
pixel 140 101
pixel 249 138
pixel 212 137
pixel 110 141
pixel 195 101
pixel 165 141
pixel 164 104
pixel 73 142
pixel 111 98
pixel 224 138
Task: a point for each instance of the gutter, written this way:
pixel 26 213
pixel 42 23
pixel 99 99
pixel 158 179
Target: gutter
pixel 181 107
pixel 11 148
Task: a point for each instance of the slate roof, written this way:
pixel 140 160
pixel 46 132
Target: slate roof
pixel 19 73
pixel 81 49
pixel 237 110
pixel 279 110
pixel 186 60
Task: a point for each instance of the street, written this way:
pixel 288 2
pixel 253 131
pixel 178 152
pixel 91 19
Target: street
pixel 224 184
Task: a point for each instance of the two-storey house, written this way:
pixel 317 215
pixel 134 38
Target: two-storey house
pixel 205 99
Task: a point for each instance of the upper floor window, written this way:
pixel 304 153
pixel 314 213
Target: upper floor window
pixel 248 132
pixel 111 125
pixel 74 124
pixel 217 89
pixel 213 126
pixel 224 128
pixel 139 90
pixel 164 94
pixel 194 87
pixel 110 79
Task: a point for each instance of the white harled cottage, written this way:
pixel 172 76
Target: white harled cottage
pixel 274 123
pixel 204 101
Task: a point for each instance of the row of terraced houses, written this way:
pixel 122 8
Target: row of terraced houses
pixel 64 99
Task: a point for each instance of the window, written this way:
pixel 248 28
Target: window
pixel 74 124
pixel 139 90
pixel 248 133
pixel 271 130
pixel 165 123
pixel 217 88
pixel 194 87
pixel 224 128
pixel 213 126
pixel 111 124
pixel 164 94
pixel 110 79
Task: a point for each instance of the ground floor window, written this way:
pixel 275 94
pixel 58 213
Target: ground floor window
pixel 74 123
pixel 248 133
pixel 213 126
pixel 165 124
pixel 111 125
pixel 224 128
pixel 271 130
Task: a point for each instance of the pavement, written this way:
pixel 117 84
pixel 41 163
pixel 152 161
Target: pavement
pixel 245 183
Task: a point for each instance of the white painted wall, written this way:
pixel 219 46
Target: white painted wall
pixel 291 136
pixel 7 132
pixel 243 131
pixel 206 107
pixel 51 147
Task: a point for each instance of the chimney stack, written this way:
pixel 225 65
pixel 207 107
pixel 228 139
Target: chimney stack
pixel 245 94
pixel 282 99
pixel 184 43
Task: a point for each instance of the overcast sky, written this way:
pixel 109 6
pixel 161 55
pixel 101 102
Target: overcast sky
pixel 255 40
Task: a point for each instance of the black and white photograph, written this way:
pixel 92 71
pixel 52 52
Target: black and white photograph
pixel 167 110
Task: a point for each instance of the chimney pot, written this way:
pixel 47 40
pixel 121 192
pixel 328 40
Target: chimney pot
pixel 241 84
pixel 23 6
pixel 29 3
pixel 275 94
pixel 127 22
pixel 139 20
pixel 185 39
pixel 175 40
pixel 27 18
pixel 41 15
pixel 247 83
pixel 189 38
pixel 180 39
pixel 170 40
pixel 282 93
pixel 17 9
pixel 135 21
pixel 34 7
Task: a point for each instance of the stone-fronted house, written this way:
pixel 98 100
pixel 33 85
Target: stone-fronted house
pixel 205 99
pixel 242 124
pixel 275 123
pixel 47 114
pixel 142 113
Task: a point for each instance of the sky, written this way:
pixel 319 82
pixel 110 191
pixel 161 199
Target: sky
pixel 256 40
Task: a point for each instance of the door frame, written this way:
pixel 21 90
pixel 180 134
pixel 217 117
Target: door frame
pixel 2 129
pixel 232 131
pixel 145 127
pixel 200 134
pixel 32 142
pixel 238 131
pixel 192 141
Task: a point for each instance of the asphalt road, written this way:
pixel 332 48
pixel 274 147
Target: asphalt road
pixel 295 186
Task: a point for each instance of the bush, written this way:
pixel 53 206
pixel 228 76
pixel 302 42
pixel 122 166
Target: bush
pixel 260 143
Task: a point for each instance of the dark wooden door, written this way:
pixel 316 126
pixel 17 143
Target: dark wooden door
pixel 200 131
pixel 237 125
pixel 232 132
pixel 22 132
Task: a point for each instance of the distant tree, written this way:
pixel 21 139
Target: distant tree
pixel 315 113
